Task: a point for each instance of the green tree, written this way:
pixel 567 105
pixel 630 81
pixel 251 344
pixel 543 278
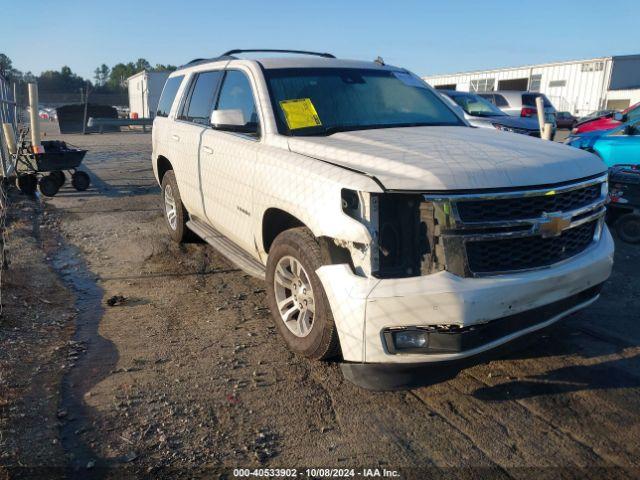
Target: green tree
pixel 6 65
pixel 164 68
pixel 142 64
pixel 119 74
pixel 7 70
pixel 64 81
pixel 101 75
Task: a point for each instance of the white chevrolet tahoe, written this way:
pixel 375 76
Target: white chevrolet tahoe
pixel 391 234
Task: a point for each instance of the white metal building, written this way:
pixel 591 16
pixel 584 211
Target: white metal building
pixel 578 86
pixel 144 92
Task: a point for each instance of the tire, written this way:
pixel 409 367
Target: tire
pixel 318 338
pixel 80 181
pixel 175 215
pixel 59 176
pixel 48 185
pixel 628 228
pixel 27 184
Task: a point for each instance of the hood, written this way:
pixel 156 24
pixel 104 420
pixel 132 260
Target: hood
pixel 600 123
pixel 506 120
pixel 517 122
pixel 450 158
pixel 589 138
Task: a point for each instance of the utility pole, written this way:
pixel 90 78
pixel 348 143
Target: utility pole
pixel 86 105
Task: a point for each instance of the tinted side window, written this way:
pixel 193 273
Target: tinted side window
pixel 236 94
pixel 168 95
pixel 488 96
pixel 198 106
pixel 529 99
pixel 500 101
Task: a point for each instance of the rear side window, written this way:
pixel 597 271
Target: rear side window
pixel 529 99
pixel 197 108
pixel 168 95
pixel 488 96
pixel 500 101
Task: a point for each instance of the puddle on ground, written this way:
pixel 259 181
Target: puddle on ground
pixel 91 367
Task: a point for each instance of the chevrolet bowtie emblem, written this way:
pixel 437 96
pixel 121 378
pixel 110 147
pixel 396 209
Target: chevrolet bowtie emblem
pixel 553 224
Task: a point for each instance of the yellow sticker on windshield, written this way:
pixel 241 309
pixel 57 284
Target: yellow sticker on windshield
pixel 300 113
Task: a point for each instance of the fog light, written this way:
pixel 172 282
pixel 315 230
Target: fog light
pixel 407 339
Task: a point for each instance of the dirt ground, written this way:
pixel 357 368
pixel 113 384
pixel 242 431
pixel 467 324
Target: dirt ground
pixel 186 376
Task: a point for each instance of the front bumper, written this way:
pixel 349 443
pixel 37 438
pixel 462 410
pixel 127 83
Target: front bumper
pixel 363 308
pixel 393 376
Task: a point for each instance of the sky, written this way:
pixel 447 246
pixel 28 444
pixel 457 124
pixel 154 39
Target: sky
pixel 427 37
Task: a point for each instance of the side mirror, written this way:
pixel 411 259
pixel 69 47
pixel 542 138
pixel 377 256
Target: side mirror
pixel 618 116
pixel 232 120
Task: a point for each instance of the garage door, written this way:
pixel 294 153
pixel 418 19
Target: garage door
pixel 513 84
pixel 618 104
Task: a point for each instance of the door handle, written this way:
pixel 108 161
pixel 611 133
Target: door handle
pixel 207 150
pixel 175 137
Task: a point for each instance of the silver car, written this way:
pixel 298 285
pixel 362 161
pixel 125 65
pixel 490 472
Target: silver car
pixel 481 113
pixel 522 104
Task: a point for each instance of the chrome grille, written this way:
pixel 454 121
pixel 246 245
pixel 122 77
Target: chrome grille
pixel 527 207
pixel 501 232
pixel 488 256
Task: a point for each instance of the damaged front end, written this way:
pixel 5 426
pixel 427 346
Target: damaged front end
pixel 475 234
pixel 405 234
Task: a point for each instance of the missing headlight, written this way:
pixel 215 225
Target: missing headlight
pixel 402 228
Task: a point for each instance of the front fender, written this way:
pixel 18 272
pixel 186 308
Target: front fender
pixel 309 190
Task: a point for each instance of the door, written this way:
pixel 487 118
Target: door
pixel 622 146
pixel 228 158
pixel 191 121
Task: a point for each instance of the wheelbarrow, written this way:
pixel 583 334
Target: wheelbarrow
pixel 45 170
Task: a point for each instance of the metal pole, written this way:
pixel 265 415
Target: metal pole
pixel 34 118
pixel 86 104
pixel 142 90
pixel 15 106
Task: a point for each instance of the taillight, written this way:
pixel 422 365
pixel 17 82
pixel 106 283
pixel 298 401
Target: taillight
pixel 528 112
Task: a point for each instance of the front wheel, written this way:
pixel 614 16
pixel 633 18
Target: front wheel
pixel 628 228
pixel 297 300
pixel 59 177
pixel 175 215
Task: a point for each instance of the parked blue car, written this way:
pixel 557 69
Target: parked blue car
pixel 620 146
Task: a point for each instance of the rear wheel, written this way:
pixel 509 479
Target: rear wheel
pixel 628 228
pixel 175 215
pixel 297 300
pixel 80 181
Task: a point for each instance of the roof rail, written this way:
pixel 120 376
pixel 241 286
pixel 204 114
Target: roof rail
pixel 269 50
pixel 196 61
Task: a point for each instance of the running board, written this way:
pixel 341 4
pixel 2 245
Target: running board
pixel 228 249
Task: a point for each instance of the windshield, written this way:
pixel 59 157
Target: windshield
pixel 633 114
pixel 476 106
pixel 322 101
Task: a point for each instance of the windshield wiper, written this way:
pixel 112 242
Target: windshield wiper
pixel 327 131
pixel 346 128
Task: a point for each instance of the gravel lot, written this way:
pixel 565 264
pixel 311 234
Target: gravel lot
pixel 187 376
